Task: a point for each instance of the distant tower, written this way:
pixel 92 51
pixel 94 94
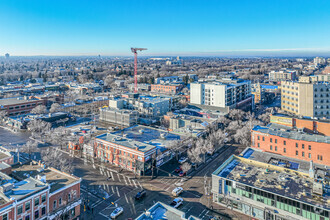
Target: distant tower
pixel 99 56
pixel 7 55
pixel 311 170
pixel 177 58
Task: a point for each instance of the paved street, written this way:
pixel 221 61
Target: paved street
pixel 104 188
pixel 9 137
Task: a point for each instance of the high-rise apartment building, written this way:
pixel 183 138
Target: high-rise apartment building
pixel 221 93
pixel 306 98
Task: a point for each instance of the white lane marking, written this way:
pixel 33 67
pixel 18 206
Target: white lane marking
pixel 134 183
pixel 112 176
pixel 117 191
pixel 125 180
pixel 129 180
pixel 118 177
pixel 202 213
pixel 139 184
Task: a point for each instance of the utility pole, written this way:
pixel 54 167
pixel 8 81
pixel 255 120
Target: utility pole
pixel 134 50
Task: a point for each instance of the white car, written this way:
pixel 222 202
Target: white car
pixel 116 212
pixel 176 202
pixel 183 159
pixel 177 191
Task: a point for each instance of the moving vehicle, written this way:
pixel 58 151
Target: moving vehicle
pixel 177 191
pixel 140 195
pixel 183 159
pixel 116 212
pixel 182 173
pixel 178 169
pixel 176 202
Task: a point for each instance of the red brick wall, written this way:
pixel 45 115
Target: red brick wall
pixel 64 195
pixel 10 213
pixel 317 149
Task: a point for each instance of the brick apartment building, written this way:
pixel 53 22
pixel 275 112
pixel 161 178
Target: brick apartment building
pixel 35 192
pixel 283 140
pixel 169 89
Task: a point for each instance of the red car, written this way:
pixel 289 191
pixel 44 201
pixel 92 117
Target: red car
pixel 182 173
pixel 178 169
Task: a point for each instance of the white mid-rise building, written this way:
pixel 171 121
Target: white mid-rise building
pixel 319 60
pixel 223 93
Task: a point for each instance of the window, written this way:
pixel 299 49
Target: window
pixel 309 155
pixel 303 154
pixel 297 153
pixel 271 147
pixel 275 141
pixel 27 217
pixel 60 201
pixel 27 206
pixel 5 216
pixel 19 209
pixel 263 138
pixel 36 201
pixel 284 142
pixel 54 204
pixel 43 211
pixel 309 147
pixel 69 196
pixel 303 146
pixel 275 148
pixel 259 145
pixel 296 145
pixel 271 140
pixel 284 150
pixel 36 214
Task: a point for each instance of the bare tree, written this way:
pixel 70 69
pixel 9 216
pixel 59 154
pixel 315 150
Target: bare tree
pixel 55 108
pixel 53 157
pixel 40 109
pixel 30 147
pixel 185 167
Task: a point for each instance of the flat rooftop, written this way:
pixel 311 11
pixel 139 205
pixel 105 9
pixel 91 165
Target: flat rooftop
pixel 276 174
pixel 15 101
pixel 25 188
pixel 55 178
pixel 287 132
pixel 161 211
pixel 143 137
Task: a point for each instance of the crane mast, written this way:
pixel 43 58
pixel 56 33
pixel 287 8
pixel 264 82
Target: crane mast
pixel 134 50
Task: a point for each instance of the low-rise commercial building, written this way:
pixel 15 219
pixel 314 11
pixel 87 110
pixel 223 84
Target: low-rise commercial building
pixel 309 125
pixel 162 211
pixel 115 116
pixel 35 192
pixel 294 143
pixel 169 89
pixel 269 186
pixel 135 148
pixel 283 74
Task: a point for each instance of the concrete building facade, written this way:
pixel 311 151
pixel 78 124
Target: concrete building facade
pixel 306 99
pixel 226 93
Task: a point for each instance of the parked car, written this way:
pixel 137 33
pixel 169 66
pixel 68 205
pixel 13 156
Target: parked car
pixel 140 195
pixel 183 159
pixel 178 169
pixel 177 191
pixel 176 202
pixel 182 173
pixel 116 212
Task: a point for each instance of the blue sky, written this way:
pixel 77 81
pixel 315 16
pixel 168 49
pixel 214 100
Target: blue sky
pixel 171 27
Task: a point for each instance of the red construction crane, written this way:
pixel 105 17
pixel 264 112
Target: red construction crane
pixel 134 50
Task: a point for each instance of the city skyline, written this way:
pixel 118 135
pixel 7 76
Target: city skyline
pixel 193 28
